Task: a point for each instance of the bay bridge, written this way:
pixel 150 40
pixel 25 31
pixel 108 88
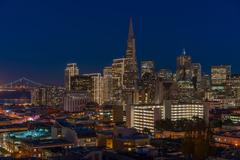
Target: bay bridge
pixel 21 83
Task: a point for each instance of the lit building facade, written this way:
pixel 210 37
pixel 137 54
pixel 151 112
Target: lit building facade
pixel 165 74
pixel 233 85
pixel 70 71
pixel 97 90
pixel 48 96
pixel 145 95
pixel 117 79
pixel 184 67
pixel 82 83
pixel 165 90
pixel 147 67
pixel 75 102
pixel 176 110
pixel 145 92
pixel 205 82
pixel 197 71
pixel 90 83
pixel 125 73
pixel 196 75
pixel 130 76
pixel 111 113
pixel 145 116
pixel 220 74
pixel 107 84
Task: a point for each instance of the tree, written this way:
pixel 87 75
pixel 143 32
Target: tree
pixel 197 144
pixel 162 124
pixel 188 147
pixel 201 148
pixel 216 123
pixel 146 131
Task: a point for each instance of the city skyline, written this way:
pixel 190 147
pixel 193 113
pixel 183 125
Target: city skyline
pixel 127 80
pixel 46 53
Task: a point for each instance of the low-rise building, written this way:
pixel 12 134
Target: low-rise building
pixel 111 113
pixel 78 135
pixel 127 139
pixel 76 101
pixel 227 138
pixel 176 110
pixel 145 116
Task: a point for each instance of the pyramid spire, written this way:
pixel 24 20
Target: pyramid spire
pixel 130 30
pixel 130 53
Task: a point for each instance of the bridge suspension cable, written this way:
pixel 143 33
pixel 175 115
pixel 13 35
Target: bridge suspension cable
pixel 23 82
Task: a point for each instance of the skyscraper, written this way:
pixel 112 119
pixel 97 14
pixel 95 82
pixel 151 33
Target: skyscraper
pixel 50 96
pixel 70 71
pixel 219 74
pixel 117 79
pixel 76 101
pixel 147 67
pixel 197 71
pixel 89 83
pixel 184 67
pixel 196 74
pixel 107 84
pixel 82 83
pixel 146 85
pixel 165 75
pixel 97 91
pixel 125 73
pixel 130 76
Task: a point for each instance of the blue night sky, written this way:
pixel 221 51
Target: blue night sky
pixel 39 37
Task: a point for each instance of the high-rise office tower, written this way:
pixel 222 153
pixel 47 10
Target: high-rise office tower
pixel 50 96
pixel 233 85
pixel 184 67
pixel 219 74
pixel 165 75
pixel 197 71
pixel 164 90
pixel 117 79
pixel 76 101
pixel 107 84
pixel 97 90
pixel 89 83
pixel 82 83
pixel 70 71
pixel 205 82
pixel 130 76
pixel 196 74
pixel 147 67
pixel 146 85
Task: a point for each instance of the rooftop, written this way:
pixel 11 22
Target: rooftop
pixel 33 134
pixel 84 132
pixel 13 126
pixel 47 143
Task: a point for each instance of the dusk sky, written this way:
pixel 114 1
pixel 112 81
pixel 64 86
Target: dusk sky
pixel 39 37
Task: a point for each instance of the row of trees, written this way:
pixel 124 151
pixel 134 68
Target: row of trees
pixel 180 125
pixel 197 141
pixel 187 125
